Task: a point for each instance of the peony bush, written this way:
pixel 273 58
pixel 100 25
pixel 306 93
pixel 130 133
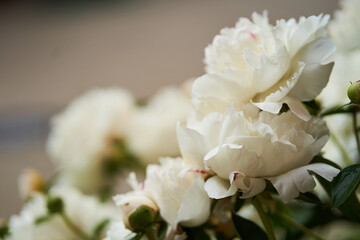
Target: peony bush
pixel 241 157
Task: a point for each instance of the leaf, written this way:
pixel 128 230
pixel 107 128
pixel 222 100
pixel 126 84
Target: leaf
pixel 247 229
pixel 350 208
pixel 4 231
pixel 345 183
pixel 100 227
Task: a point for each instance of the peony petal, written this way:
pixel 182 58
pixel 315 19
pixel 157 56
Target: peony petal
pixel 314 55
pixel 248 186
pixel 297 108
pixel 195 207
pixel 272 107
pixel 225 159
pixel 271 68
pixel 218 188
pixel 298 180
pixel 191 145
pixel 222 89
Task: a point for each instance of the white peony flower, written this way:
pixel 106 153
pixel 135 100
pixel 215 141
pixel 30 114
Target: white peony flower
pixel 344 29
pixel 179 193
pixel 266 65
pixel 86 212
pixel 82 134
pixel 242 152
pixel 152 131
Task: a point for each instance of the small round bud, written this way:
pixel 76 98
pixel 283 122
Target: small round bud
pixel 354 92
pixel 142 217
pixel 54 205
pixel 30 182
pixel 138 210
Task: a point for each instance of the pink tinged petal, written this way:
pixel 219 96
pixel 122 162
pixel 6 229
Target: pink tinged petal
pixel 297 108
pixel 315 75
pixel 247 185
pixel 225 159
pixel 218 188
pixel 298 180
pixel 195 207
pixel 191 145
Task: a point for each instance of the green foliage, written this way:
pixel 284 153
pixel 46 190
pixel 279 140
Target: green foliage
pixel 100 227
pixel 4 231
pixel 247 229
pixel 345 183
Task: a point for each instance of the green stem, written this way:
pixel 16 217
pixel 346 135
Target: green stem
pixel 356 132
pixel 344 154
pixel 74 228
pixel 150 233
pixel 291 223
pixel 264 218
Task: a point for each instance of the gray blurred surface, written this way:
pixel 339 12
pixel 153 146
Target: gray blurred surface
pixel 49 55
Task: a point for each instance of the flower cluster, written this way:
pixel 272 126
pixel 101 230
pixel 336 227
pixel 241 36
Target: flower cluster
pixel 254 135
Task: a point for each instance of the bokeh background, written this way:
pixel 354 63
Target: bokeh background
pixel 53 51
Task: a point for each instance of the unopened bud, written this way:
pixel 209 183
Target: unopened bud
pixel 138 210
pixel 54 205
pixel 29 182
pixel 354 92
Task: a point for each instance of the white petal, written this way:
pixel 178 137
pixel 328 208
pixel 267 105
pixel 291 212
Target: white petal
pixel 217 188
pixel 191 145
pixel 222 89
pixel 249 186
pixel 315 75
pixel 297 108
pixel 195 207
pixel 298 180
pixel 225 159
pixel 272 107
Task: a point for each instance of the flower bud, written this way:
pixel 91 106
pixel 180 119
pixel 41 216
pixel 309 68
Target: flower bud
pixel 354 92
pixel 30 182
pixel 54 205
pixel 138 211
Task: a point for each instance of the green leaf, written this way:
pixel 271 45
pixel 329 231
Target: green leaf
pixel 345 183
pixel 4 231
pixel 100 227
pixel 247 229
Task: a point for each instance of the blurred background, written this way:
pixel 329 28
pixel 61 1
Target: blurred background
pixel 52 51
